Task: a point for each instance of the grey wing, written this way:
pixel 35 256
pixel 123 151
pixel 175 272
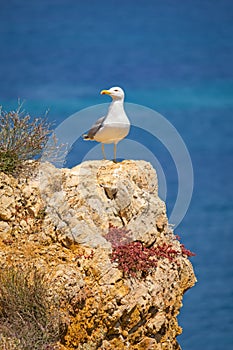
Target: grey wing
pixel 95 127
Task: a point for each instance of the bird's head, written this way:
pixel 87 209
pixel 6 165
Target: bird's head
pixel 115 92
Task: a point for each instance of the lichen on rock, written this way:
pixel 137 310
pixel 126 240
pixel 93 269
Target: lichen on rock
pixel 58 220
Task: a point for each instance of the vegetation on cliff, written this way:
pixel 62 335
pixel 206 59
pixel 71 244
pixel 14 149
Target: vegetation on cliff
pixel 27 315
pixel 21 138
pixel 24 138
pixel 134 258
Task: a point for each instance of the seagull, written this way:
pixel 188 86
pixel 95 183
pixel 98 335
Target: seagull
pixel 114 126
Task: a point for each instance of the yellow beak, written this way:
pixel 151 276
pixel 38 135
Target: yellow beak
pixel 105 92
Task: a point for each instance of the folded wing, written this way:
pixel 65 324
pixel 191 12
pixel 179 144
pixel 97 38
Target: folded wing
pixel 94 129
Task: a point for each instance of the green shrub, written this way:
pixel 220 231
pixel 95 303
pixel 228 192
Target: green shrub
pixel 27 316
pixel 21 138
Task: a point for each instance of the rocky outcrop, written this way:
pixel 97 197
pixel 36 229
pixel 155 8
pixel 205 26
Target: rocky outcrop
pixel 59 221
pixel 84 201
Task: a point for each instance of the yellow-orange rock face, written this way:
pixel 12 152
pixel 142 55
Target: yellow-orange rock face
pixel 57 221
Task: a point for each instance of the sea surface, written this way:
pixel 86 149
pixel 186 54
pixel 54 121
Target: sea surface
pixel 174 57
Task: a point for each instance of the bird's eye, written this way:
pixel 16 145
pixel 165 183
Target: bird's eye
pixel 116 90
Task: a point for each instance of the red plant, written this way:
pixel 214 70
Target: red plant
pixel 133 257
pixel 118 235
pixel 165 251
pixel 186 251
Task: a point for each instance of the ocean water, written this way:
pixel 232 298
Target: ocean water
pixel 173 57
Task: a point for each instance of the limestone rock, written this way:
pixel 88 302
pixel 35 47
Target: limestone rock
pixel 7 197
pixel 57 221
pixel 82 202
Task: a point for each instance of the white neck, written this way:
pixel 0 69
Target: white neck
pixel 116 104
pixel 116 111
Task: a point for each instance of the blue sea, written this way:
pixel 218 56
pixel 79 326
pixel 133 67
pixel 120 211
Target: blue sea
pixel 174 57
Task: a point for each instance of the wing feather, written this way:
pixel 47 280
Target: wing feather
pixel 95 127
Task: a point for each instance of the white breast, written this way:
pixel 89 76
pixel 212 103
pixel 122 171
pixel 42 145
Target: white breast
pixel 116 125
pixel 112 132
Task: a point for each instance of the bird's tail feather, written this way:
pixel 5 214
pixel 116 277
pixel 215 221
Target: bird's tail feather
pixel 86 137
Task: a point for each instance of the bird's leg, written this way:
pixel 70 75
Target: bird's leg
pixel 115 146
pixel 102 145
